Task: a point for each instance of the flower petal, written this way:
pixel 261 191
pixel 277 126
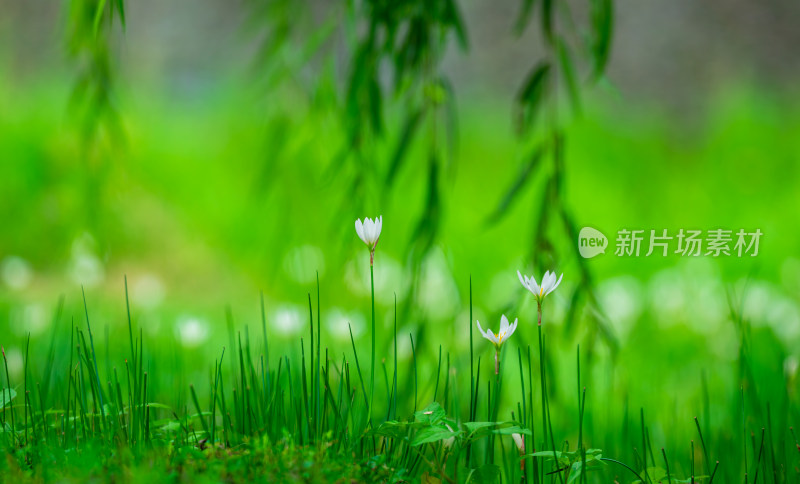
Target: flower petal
pixel 523 280
pixel 488 334
pixel 503 323
pixel 546 280
pixel 555 285
pixel 520 442
pixel 360 230
pixel 535 288
pixel 512 328
pixel 533 285
pixel 369 230
pixel 483 333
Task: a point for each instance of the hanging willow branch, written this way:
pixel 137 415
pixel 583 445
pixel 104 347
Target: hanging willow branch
pixel 398 48
pixel 394 52
pixel 89 31
pixel 539 121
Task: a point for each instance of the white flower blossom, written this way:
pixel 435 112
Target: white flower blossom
pixel 549 284
pixel 519 440
pixel 506 330
pixel 497 339
pixel 369 231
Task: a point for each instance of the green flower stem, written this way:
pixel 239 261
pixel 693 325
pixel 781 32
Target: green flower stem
pixel 541 373
pixel 372 364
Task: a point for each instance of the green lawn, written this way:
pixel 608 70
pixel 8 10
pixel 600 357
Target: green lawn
pixel 210 204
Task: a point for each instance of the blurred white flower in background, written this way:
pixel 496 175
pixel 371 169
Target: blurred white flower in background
pixel 620 299
pixel 147 291
pixel 689 292
pixel 30 318
pixel 705 294
pixel 404 350
pixel 191 331
pixel 757 299
pixel 790 365
pixel 15 362
pixel 288 320
pixel 667 297
pixel 766 304
pixel 390 278
pixel 302 263
pixel 500 286
pixel 438 292
pixel 783 317
pixel 336 322
pixel 790 275
pixel 85 267
pixel 16 272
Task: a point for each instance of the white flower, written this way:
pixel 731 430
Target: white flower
pixel 520 441
pixel 369 231
pixel 549 284
pixel 192 331
pixel 501 336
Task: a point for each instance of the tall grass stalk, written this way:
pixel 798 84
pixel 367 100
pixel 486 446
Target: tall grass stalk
pixel 372 361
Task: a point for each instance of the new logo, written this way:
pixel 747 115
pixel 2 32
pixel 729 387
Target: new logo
pixel 591 242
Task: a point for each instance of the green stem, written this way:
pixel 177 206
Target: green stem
pixel 541 373
pixel 372 363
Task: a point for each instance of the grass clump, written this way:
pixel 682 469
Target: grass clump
pixel 310 414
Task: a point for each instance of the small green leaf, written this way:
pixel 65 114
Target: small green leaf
pixel 474 426
pixel 393 429
pixel 524 16
pixel 432 414
pixel 403 143
pixel 517 184
pixel 436 433
pixel 452 16
pixel 547 453
pixel 562 458
pixel 602 14
pixel 568 69
pixel 485 474
pixel 121 8
pixel 172 425
pixel 530 96
pixel 511 430
pixel 477 430
pixel 547 20
pixel 6 396
pixel 98 15
pixel 655 474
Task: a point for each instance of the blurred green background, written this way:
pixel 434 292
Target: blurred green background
pixel 218 179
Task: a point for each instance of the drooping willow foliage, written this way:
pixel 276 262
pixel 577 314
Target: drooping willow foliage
pixel 409 38
pixel 575 56
pixel 93 105
pixel 377 68
pixel 90 28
